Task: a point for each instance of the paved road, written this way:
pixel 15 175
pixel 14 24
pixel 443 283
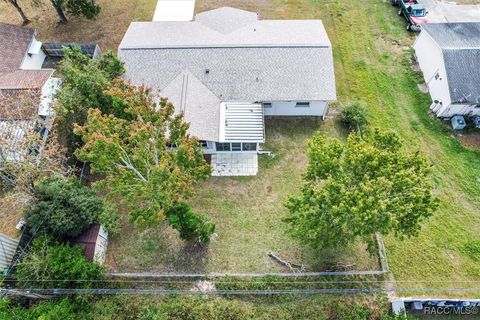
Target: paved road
pixel 440 11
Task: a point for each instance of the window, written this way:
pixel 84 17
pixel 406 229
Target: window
pixel 302 105
pixel 236 146
pixel 249 147
pixel 267 104
pixel 223 146
pixel 203 143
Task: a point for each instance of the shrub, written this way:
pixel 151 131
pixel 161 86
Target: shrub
pixel 472 249
pixel 190 225
pixel 355 116
pixel 197 308
pixel 64 207
pixel 51 264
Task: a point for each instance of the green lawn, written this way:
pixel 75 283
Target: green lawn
pixel 373 64
pixel 247 212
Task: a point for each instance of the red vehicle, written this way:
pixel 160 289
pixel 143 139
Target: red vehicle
pixel 413 12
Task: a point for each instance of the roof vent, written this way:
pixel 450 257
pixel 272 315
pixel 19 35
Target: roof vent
pixel 207 71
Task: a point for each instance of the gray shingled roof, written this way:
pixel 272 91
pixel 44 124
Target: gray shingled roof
pixel 14 42
pixel 460 44
pixel 454 35
pixel 186 90
pixel 232 55
pixel 463 75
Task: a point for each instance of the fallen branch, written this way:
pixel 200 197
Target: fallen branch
pixel 292 266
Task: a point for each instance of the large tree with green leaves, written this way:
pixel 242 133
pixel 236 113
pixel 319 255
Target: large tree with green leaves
pixel 50 264
pixel 84 82
pixel 147 157
pixel 65 208
pixel 369 185
pixel 77 8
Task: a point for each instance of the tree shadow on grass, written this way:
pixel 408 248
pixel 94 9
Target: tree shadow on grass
pixel 351 258
pixel 155 250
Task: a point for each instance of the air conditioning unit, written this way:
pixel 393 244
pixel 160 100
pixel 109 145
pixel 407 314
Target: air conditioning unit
pixel 476 121
pixel 458 123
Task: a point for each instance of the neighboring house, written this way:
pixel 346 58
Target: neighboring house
pixel 449 56
pixel 94 241
pixel 26 90
pixel 226 70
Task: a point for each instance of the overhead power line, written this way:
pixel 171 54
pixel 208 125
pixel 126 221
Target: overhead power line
pixel 69 292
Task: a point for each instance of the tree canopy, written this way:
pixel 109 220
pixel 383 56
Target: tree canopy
pixel 62 265
pixel 147 156
pixel 64 207
pixel 84 82
pixel 36 153
pixel 369 185
pixel 77 8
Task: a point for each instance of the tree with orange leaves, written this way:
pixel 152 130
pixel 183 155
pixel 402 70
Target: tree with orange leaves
pixel 148 158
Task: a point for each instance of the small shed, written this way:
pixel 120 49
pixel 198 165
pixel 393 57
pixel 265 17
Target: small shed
pixel 95 242
pixel 174 10
pixel 8 247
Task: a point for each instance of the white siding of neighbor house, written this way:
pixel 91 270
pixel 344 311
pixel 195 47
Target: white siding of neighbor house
pixel 288 108
pixel 34 60
pixel 458 109
pixel 430 59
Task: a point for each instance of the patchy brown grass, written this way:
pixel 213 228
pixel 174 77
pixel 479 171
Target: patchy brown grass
pixel 107 30
pixel 262 7
pixel 471 140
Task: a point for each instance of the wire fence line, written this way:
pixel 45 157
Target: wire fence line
pixel 246 274
pixel 249 281
pixel 332 291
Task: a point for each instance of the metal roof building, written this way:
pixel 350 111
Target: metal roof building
pixel 8 246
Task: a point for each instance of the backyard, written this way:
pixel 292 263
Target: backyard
pixel 372 64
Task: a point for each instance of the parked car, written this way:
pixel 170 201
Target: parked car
pixel 414 13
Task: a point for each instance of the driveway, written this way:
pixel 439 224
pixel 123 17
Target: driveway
pixel 440 11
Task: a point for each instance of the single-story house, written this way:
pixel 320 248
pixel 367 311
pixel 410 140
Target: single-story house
pixel 449 56
pixel 226 69
pixel 26 90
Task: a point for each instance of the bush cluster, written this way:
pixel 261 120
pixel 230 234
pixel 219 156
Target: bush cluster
pixel 191 226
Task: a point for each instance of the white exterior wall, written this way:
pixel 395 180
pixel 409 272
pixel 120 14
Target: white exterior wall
pixel 33 61
pixel 288 108
pixel 48 95
pixel 458 109
pixel 430 58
